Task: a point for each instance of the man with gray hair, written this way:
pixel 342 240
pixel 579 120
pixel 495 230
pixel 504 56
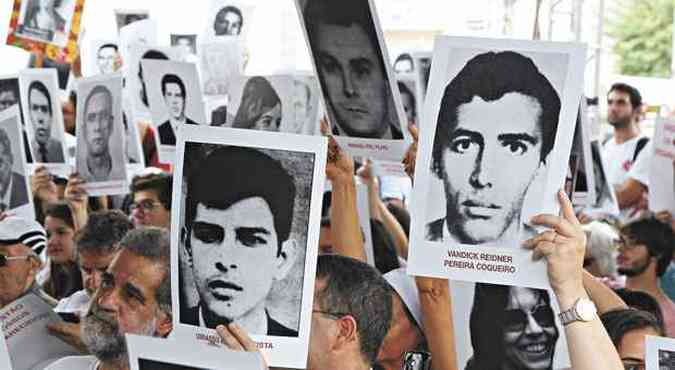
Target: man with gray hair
pixel 13 190
pixel 134 298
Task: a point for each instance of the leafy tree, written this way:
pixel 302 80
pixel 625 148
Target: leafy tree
pixel 643 31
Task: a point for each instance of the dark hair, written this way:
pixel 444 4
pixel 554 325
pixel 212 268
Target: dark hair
pixel 357 289
pixel 173 79
pixel 160 183
pixel 250 173
pixel 103 232
pixel 153 243
pixel 11 85
pixel 621 321
pixel 384 251
pixel 641 301
pixel 150 54
pixel 656 236
pixel 257 98
pixel 39 86
pixel 108 45
pixel 486 324
pixel 229 9
pixel 490 76
pixel 61 211
pixel 404 89
pixel 405 57
pixel 633 93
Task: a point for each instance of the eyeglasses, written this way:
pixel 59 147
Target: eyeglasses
pixel 4 259
pixel 144 205
pixel 633 365
pixel 516 320
pixel 335 315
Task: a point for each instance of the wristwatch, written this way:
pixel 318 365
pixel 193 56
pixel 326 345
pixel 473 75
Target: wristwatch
pixel 583 310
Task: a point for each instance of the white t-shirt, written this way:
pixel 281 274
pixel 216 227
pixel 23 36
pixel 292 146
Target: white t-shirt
pixel 75 363
pixel 640 170
pixel 618 161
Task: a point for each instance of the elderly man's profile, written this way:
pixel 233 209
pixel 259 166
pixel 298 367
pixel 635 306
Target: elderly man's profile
pixel 351 69
pixel 228 21
pixel 98 127
pixel 496 126
pixel 13 190
pixel 45 149
pixel 238 238
pixel 175 96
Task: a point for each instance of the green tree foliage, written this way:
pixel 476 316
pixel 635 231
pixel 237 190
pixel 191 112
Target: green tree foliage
pixel 643 31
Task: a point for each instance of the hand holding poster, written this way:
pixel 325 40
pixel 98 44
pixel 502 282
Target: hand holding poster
pixel 247 224
pixel 146 353
pixel 24 323
pixel 662 168
pixel 496 135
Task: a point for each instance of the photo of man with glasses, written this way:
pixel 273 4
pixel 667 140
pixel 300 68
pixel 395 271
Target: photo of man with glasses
pixel 97 161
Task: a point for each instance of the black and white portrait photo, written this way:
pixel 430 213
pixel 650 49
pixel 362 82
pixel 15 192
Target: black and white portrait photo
pixel 100 158
pixel 46 20
pixel 404 63
pixel 259 104
pixel 497 137
pixel 125 17
pixel 136 79
pixel 356 78
pixel 44 117
pixel 422 62
pixel 406 86
pixel 219 64
pixel 147 353
pixel 175 100
pixel 246 235
pixel 228 18
pixel 580 186
pixel 187 42
pixel 305 105
pixel 659 353
pixel 101 57
pixel 507 327
pixel 666 360
pixel 605 199
pixel 9 96
pixel 14 184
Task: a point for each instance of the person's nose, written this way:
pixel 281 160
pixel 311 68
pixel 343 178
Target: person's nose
pixel 533 327
pixel 481 176
pixel 348 84
pixel 226 258
pixel 94 280
pixel 108 300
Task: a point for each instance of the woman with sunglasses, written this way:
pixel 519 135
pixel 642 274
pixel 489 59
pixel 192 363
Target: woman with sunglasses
pixel 64 276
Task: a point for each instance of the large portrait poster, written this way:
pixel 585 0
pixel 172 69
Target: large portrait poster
pixel 52 27
pixel 662 168
pixel 496 135
pixel 493 327
pixel 15 194
pixel 244 231
pixel 357 82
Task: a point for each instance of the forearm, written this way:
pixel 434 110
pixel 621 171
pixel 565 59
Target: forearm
pixel 438 326
pixel 590 347
pixel 395 230
pixel 345 229
pixel 604 298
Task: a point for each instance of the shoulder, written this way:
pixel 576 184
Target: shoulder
pixel 188 121
pixel 434 230
pixel 274 328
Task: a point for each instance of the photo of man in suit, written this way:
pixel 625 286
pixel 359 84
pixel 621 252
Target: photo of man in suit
pixel 45 149
pixel 13 190
pixel 174 93
pixel 238 238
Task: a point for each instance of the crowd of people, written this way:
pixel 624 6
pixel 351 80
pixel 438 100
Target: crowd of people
pixel 104 263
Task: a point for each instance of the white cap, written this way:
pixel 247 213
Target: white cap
pixel 17 230
pixel 405 287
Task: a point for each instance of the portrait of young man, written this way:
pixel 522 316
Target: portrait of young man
pixel 106 57
pixel 228 21
pixel 495 129
pixel 238 237
pixel 97 162
pixel 9 96
pixel 13 189
pixel 175 96
pixel 42 118
pixel 351 69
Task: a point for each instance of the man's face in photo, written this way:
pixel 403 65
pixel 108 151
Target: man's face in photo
pixel 530 333
pixel 7 99
pixel 353 79
pixel 185 44
pixel 175 101
pixel 490 160
pixel 6 163
pixel 235 256
pixel 227 23
pixel 98 123
pixel 40 115
pixel 403 66
pixel 105 59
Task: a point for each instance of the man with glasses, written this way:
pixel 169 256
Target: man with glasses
pixel 98 124
pixel 151 195
pixel 13 190
pixel 645 251
pixel 21 241
pixel 45 148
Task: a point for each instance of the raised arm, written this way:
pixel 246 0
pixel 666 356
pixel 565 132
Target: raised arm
pixel 437 321
pixel 563 249
pixel 604 298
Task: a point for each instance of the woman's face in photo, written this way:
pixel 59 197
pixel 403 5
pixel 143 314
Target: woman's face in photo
pixel 529 328
pixel 270 120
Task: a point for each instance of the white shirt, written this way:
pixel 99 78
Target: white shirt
pixel 77 303
pixel 75 363
pixel 640 170
pixel 618 160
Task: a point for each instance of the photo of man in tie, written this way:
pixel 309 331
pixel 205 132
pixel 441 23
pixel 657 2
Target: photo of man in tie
pixel 45 149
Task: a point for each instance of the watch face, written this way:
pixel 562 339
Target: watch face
pixel 586 310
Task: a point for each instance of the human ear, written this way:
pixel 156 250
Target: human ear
pixel 285 259
pixel 347 332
